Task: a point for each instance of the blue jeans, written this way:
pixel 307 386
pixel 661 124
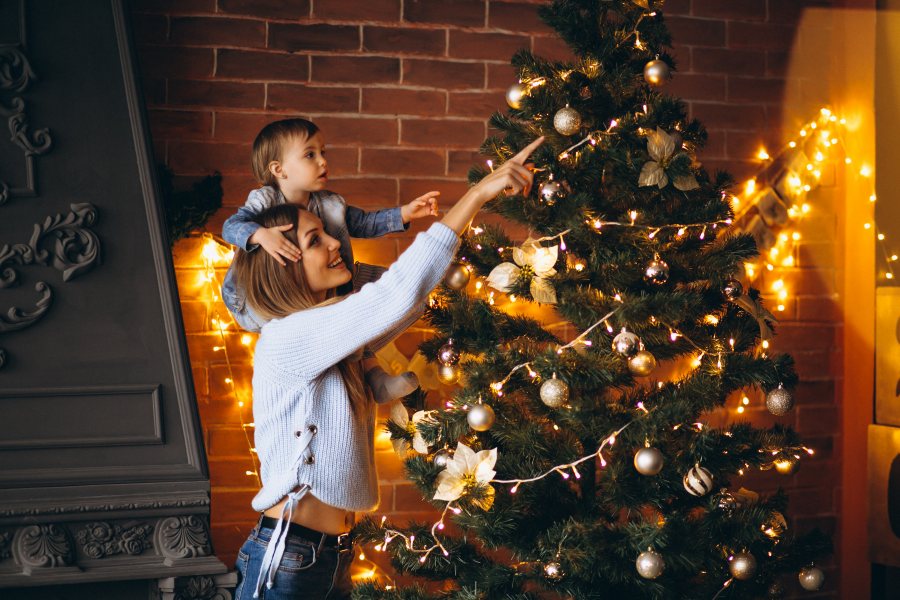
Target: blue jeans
pixel 307 571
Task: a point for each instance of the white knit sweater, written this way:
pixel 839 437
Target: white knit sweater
pixel 296 383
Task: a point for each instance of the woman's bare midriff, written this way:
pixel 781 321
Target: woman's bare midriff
pixel 315 514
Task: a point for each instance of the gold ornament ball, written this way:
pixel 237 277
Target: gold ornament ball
pixel 448 354
pixel 457 277
pixel 448 374
pixel 733 289
pixel 441 458
pixel 481 417
pixel 554 392
pixel 786 466
pixel 650 564
pixel 779 401
pixel 657 73
pixel 514 95
pixel 742 566
pixel 698 481
pixel 657 272
pixel 642 363
pixel 567 121
pixel 648 461
pixel 553 571
pixel 626 343
pixel 811 578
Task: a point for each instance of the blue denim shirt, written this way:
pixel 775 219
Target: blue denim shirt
pixel 340 221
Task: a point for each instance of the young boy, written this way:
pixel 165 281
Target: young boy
pixel 288 159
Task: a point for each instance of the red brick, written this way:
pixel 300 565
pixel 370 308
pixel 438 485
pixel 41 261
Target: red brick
pixel 739 169
pixel 814 392
pixel 811 501
pixel 745 144
pixel 229 504
pixel 150 29
pixel 356 69
pixel 466 13
pixel 804 337
pixel 516 16
pixel 358 130
pixel 742 10
pixel 293 37
pixel 218 388
pixel 230 472
pixel 262 66
pixel 195 317
pixel 476 104
pixel 487 46
pixel 678 7
pixel 228 441
pixel 816 254
pixel 696 32
pixel 755 89
pixel 791 12
pixel 442 132
pixel 405 40
pixel 728 61
pixel 500 77
pixel 354 10
pixel 266 9
pixel 180 124
pixel 451 189
pixel 217 31
pixel 227 538
pixel 391 101
pixel 154 90
pixel 697 87
pixel 730 116
pixel 392 161
pixel 236 188
pixel 240 127
pixel 715 144
pixel 342 161
pixel 171 61
pixel 444 74
pixel 764 36
pixel 818 420
pixel 552 48
pixel 173 6
pixel 207 157
pixel 812 365
pixel 459 162
pixel 216 93
pixel 821 309
pixel 310 99
pixel 370 193
pixel 407 497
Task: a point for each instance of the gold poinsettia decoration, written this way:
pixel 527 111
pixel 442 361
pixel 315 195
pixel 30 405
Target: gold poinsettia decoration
pixel 662 149
pixel 468 471
pixel 531 259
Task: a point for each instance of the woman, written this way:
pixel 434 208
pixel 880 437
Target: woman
pixel 314 417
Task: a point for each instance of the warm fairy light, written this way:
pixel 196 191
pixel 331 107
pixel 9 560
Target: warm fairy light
pixel 750 187
pixel 633 214
pixel 711 319
pixel 873 198
pixel 246 339
pixel 762 154
pixel 867 226
pixel 865 171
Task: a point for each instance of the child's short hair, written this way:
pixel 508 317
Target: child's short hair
pixel 270 141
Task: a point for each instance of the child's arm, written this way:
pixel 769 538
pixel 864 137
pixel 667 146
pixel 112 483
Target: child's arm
pixel 362 224
pixel 242 231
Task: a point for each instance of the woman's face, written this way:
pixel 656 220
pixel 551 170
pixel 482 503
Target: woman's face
pixel 320 256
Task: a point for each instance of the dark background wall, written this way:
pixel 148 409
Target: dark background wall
pixel 402 90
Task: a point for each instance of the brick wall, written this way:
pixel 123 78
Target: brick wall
pixel 402 90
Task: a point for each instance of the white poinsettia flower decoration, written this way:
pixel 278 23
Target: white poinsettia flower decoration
pixel 467 469
pixel 661 146
pixel 539 260
pixel 400 417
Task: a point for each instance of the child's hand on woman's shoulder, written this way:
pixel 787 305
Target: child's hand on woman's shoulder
pixel 423 206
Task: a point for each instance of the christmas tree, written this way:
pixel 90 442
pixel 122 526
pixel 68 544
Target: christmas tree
pixel 584 468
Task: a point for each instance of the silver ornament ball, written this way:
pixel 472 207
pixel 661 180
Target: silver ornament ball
pixel 480 417
pixel 642 363
pixel 698 481
pixel 448 354
pixel 551 191
pixel 742 566
pixel 657 73
pixel 448 374
pixel 811 578
pixel 514 95
pixel 554 392
pixel 626 343
pixel 779 401
pixel 650 564
pixel 553 571
pixel 657 272
pixel 733 289
pixel 457 277
pixel 441 458
pixel 567 121
pixel 648 461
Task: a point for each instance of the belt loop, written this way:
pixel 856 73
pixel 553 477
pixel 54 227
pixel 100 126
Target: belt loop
pixel 321 542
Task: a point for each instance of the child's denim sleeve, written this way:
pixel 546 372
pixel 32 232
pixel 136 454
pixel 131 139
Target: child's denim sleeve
pixel 362 224
pixel 239 227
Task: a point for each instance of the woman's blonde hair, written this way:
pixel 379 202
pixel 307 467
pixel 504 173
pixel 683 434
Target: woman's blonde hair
pixel 274 292
pixel 269 145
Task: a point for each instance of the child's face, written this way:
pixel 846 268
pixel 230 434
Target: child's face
pixel 303 164
pixel 321 261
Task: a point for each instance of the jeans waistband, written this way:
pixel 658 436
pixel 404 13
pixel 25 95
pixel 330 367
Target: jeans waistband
pixel 342 541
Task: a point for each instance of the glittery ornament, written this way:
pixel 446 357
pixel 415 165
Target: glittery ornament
pixel 441 458
pixel 733 289
pixel 642 363
pixel 742 566
pixel 811 578
pixel 567 121
pixel 626 343
pixel 648 461
pixel 698 481
pixel 448 374
pixel 551 191
pixel 726 502
pixel 657 271
pixel 554 392
pixel 448 354
pixel 775 591
pixel 779 401
pixel 457 276
pixel 650 564
pixel 480 417
pixel 553 571
pixel 514 95
pixel 775 525
pixel 657 73
pixel 787 466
